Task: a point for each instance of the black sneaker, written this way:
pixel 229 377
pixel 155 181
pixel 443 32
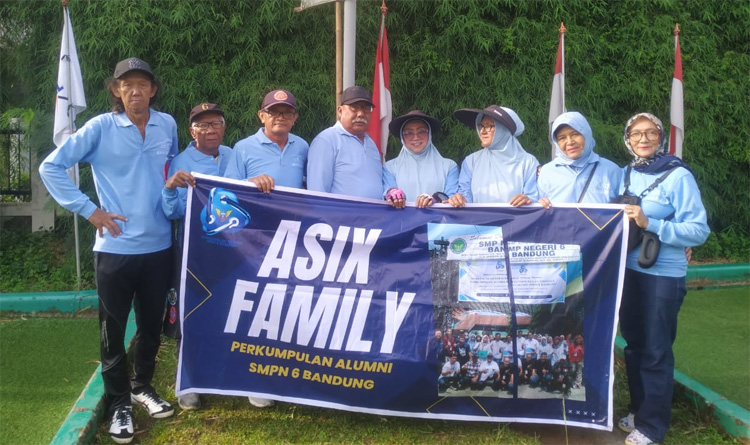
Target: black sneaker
pixel 157 407
pixel 121 427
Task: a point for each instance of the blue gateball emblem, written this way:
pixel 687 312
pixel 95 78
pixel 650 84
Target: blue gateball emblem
pixel 223 213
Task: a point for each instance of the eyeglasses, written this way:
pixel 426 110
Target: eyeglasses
pixel 284 114
pixel 204 125
pixel 419 133
pixel 563 137
pixel 367 108
pixel 651 135
pixel 481 127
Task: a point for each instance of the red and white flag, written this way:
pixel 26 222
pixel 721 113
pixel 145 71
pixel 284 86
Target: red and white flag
pixel 70 98
pixel 381 94
pixel 557 101
pixel 676 112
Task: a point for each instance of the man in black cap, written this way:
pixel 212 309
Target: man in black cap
pixel 345 160
pixel 128 150
pixel 206 155
pixel 273 155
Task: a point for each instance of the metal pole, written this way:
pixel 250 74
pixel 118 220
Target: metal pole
pixel 339 53
pixel 350 40
pixel 76 180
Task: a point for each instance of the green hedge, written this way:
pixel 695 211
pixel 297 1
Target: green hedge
pixel 445 55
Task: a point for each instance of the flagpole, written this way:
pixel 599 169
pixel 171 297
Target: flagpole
pixel 76 178
pixel 339 52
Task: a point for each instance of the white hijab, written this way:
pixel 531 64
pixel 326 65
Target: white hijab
pixel 501 170
pixel 418 173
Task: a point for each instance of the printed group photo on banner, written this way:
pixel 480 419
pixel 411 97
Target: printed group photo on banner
pixel 474 314
pixel 472 306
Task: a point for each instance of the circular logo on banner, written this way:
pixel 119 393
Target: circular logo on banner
pixel 458 245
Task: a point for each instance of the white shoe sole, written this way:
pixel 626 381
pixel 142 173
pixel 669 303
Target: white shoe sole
pixel 260 403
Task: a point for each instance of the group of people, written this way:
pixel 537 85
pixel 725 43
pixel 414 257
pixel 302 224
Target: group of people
pixel 130 148
pixel 554 363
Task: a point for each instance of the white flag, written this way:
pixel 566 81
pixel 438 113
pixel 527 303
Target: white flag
pixel 70 98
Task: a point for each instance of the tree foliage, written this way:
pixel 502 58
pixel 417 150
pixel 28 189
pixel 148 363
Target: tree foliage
pixel 445 55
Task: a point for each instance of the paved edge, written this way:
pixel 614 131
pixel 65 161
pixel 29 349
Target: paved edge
pixel 79 427
pixel 733 418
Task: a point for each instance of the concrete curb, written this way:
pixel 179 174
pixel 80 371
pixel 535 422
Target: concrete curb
pixel 712 276
pixel 732 417
pixel 66 302
pixel 79 427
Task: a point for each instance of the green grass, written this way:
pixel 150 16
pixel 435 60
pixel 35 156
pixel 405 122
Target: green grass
pixel 690 425
pixel 713 341
pixel 42 375
pixel 231 420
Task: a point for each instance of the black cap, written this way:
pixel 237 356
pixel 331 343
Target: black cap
pixel 397 123
pixel 356 94
pixel 132 64
pixel 204 108
pixel 468 117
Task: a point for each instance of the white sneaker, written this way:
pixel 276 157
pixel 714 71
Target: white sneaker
pixel 627 423
pixel 157 407
pixel 637 438
pixel 121 426
pixel 260 403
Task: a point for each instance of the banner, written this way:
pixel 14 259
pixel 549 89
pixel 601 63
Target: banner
pixel 316 299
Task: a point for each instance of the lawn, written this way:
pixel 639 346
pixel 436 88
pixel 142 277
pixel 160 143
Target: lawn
pixel 35 372
pixel 713 341
pixel 41 375
pixel 231 420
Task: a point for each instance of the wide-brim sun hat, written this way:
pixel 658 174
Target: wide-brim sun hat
pixel 468 117
pixel 395 126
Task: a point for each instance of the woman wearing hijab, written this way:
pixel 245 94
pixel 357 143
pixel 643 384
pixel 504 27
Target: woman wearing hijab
pixel 577 174
pixel 652 294
pixel 501 171
pixel 419 170
pixel 483 346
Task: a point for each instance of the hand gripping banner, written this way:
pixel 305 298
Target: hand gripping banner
pixel 317 299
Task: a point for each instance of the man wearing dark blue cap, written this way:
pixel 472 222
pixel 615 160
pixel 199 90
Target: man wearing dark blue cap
pixel 204 154
pixel 345 160
pixel 128 150
pixel 273 155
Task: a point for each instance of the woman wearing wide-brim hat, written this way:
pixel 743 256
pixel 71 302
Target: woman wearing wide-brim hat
pixel 502 171
pixel 419 169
